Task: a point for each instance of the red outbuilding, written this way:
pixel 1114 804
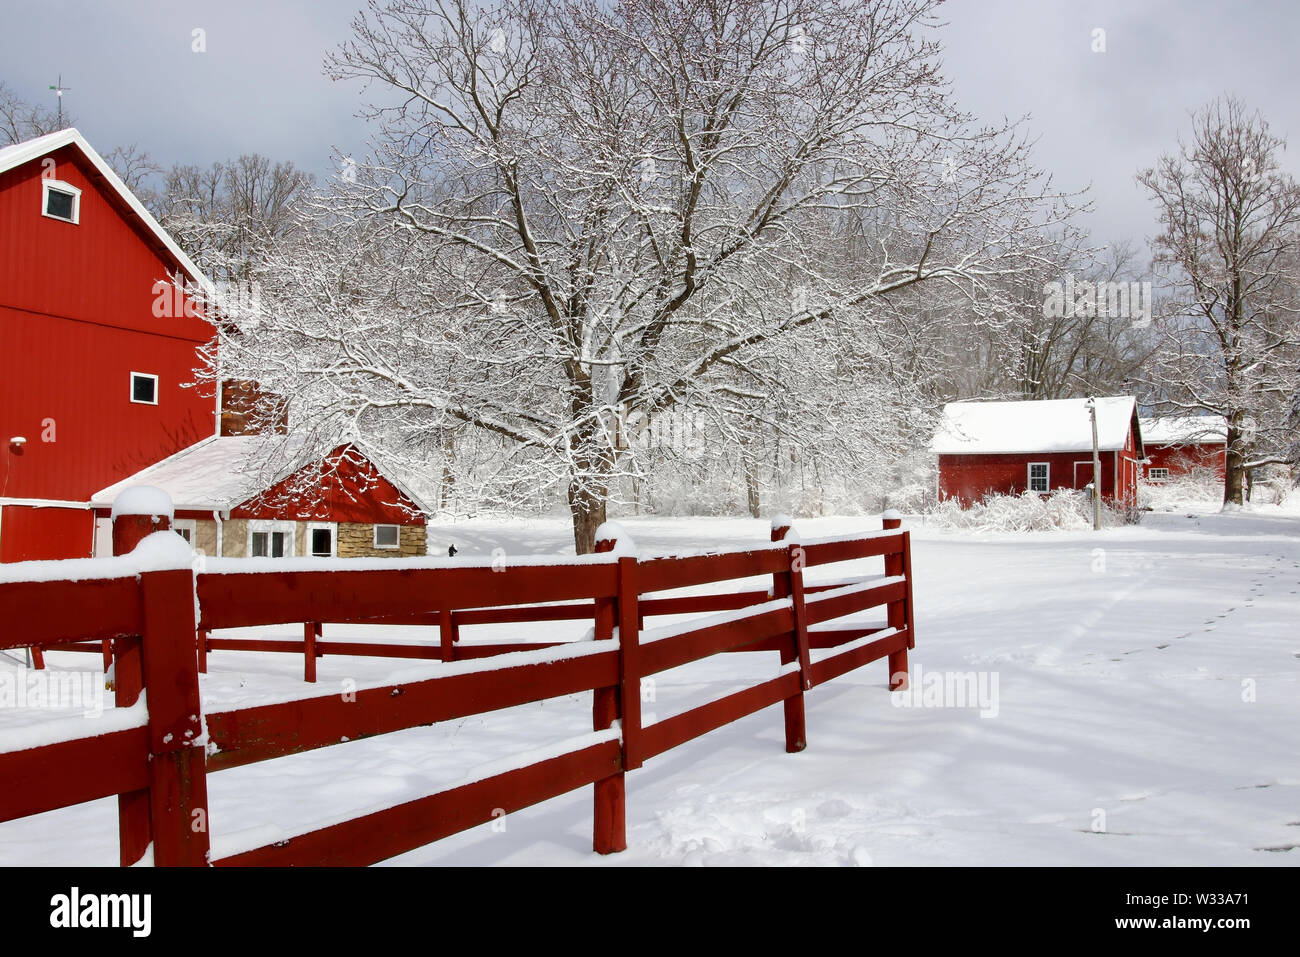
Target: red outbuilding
pixel 1180 444
pixel 1007 448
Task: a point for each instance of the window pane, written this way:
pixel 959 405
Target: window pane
pixel 59 204
pixel 185 534
pixel 277 544
pixel 142 388
pixel 259 544
pixel 386 536
pixel 320 542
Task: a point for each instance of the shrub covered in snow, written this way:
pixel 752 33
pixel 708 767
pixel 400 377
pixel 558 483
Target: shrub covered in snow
pixel 1028 512
pixel 1199 489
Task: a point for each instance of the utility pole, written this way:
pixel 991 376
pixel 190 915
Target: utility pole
pixel 59 89
pixel 1096 466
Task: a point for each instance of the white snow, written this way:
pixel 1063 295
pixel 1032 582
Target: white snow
pixel 1054 425
pixel 143 500
pixel 1148 711
pixel 1185 430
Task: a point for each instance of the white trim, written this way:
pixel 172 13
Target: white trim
pixel 22 153
pixel 332 528
pixel 1029 477
pixel 375 536
pixel 1153 477
pixel 189 525
pixel 269 526
pixel 44 503
pixel 59 186
pixel 144 375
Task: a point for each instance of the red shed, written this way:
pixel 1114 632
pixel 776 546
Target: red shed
pixel 91 376
pixel 1179 444
pixel 1006 448
pixel 228 502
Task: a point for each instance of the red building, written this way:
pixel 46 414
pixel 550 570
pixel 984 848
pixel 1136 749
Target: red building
pixel 98 360
pixel 1007 448
pixel 91 379
pixel 1177 445
pixel 231 499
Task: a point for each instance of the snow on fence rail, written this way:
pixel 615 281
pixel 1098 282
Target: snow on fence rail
pixel 157 762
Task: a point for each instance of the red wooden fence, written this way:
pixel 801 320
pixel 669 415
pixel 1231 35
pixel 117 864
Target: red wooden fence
pixel 158 759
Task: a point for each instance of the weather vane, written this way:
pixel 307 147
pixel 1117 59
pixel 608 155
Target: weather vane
pixel 59 90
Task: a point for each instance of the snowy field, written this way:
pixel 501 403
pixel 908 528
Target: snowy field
pixel 1147 711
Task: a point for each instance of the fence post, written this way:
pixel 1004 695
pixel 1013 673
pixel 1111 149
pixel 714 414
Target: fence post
pixel 311 630
pixel 137 513
pixel 796 736
pixel 609 831
pixel 629 661
pixel 178 791
pixel 898 612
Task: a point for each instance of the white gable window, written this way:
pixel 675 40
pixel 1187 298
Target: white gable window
pixel 60 200
pixel 144 388
pixel 387 536
pixel 1039 476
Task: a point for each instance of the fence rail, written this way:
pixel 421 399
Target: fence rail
pixel 156 759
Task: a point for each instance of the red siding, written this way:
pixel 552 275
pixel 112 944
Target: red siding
pixel 971 477
pixel 76 318
pixel 1182 459
pixel 29 534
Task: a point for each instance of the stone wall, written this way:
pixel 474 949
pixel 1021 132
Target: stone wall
pixel 356 540
pixel 205 537
pixel 234 538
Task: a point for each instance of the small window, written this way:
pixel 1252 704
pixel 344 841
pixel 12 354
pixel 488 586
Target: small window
pixel 185 528
pixel 61 201
pixel 270 544
pixel 1039 473
pixel 144 388
pixel 1158 475
pixel 386 536
pixel 322 542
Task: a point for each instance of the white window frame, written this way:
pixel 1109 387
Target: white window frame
pixel 272 525
pixel 60 187
pixel 144 375
pixel 332 528
pixel 1047 477
pixel 1158 474
pixel 375 537
pixel 188 525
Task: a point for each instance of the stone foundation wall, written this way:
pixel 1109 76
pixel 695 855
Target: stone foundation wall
pixel 357 540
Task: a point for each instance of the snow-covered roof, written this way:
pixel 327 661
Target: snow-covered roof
pixel 1049 425
pixel 219 473
pixel 18 154
pixel 1185 430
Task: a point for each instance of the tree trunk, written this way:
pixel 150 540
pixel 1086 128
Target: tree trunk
pixel 1233 472
pixel 588 511
pixel 751 488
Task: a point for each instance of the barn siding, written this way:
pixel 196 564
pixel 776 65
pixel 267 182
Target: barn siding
pixel 970 478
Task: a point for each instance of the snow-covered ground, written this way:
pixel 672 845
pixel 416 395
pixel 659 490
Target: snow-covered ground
pixel 1147 711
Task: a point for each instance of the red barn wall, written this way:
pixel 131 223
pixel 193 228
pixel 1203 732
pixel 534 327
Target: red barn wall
pixel 971 477
pixel 30 534
pixel 1181 459
pixel 76 318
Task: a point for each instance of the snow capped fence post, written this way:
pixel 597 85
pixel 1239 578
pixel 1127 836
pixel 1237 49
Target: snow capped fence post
pixel 178 789
pixel 898 613
pixel 609 832
pixel 138 512
pixel 796 735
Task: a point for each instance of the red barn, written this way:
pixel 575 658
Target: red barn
pixel 1006 448
pixel 91 378
pixel 1179 444
pixel 229 502
pixel 98 360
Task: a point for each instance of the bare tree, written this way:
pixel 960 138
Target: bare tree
pixel 1229 218
pixel 21 121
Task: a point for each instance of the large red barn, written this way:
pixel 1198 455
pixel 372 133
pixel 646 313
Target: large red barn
pixel 1007 448
pixel 92 382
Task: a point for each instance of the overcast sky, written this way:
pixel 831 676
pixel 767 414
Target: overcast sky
pixel 259 86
